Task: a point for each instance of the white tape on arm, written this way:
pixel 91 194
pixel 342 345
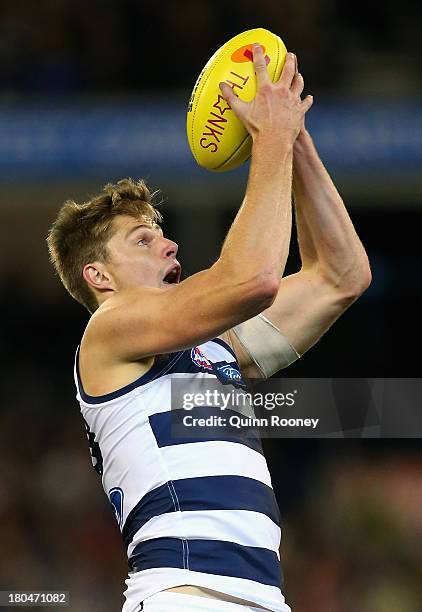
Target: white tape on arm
pixel 268 348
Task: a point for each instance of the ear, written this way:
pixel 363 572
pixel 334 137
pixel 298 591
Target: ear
pixel 97 276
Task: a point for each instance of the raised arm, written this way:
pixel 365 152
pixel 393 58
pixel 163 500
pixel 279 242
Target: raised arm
pixel 245 279
pixel 335 271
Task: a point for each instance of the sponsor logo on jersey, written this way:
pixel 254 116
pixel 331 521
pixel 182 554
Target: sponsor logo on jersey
pixel 228 373
pixel 116 499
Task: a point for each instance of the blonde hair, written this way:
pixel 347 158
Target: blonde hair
pixel 80 233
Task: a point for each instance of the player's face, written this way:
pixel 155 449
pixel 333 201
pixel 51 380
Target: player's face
pixel 140 255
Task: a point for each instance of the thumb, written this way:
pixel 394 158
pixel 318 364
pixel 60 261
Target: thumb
pixel 236 104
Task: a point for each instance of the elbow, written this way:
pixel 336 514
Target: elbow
pixel 265 289
pixel 366 278
pixel 254 289
pixel 363 277
pixel 254 294
pixel 353 287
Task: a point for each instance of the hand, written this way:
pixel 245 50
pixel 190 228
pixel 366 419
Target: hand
pixel 276 114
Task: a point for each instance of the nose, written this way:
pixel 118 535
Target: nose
pixel 170 249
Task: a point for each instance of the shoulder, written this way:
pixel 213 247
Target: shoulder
pixel 101 368
pixel 118 312
pixel 110 322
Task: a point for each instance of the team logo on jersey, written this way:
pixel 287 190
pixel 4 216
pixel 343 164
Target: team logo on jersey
pixel 199 359
pixel 116 500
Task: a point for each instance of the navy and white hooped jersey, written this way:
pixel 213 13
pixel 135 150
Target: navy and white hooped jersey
pixel 197 511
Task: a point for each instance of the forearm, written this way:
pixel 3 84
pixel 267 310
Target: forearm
pixel 259 238
pixel 327 238
pixel 307 250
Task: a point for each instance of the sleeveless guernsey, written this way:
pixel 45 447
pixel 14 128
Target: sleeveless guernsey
pixel 194 511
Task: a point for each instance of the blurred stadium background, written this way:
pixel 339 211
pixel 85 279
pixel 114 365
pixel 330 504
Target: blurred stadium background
pixel 95 91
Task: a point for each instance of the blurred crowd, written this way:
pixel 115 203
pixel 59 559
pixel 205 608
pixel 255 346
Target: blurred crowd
pixel 353 545
pixel 61 46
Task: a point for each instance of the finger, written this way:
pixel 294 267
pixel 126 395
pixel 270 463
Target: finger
pixel 307 103
pixel 297 84
pixel 260 65
pixel 236 104
pixel 289 70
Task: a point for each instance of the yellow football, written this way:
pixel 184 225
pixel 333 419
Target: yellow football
pixel 217 138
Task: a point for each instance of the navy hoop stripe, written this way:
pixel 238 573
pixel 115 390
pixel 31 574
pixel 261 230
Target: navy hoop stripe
pixel 168 428
pixel 211 557
pixel 204 493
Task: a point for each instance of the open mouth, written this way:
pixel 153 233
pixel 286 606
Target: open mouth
pixel 173 275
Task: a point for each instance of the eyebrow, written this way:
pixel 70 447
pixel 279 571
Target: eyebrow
pixel 137 227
